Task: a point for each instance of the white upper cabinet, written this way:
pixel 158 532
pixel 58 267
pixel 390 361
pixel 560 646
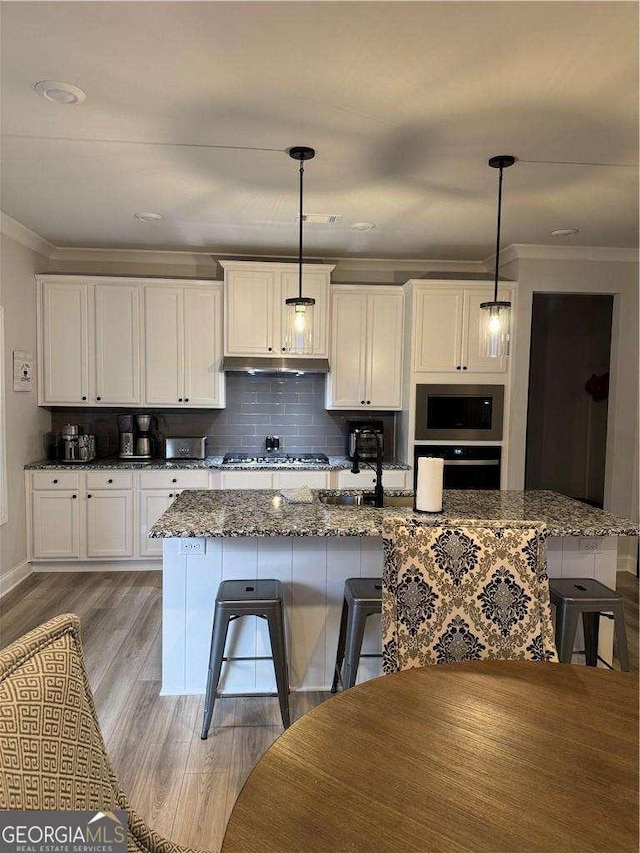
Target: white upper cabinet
pixel 316 286
pixel 117 344
pixel 203 379
pixel 254 308
pixel 438 324
pixel 164 343
pixel 63 323
pixel 183 346
pixel 251 311
pixel 366 348
pixel 129 342
pixel 446 333
pixel 346 383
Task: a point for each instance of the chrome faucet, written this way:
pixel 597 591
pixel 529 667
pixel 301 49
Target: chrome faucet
pixel 378 493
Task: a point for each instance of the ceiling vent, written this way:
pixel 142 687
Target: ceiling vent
pixel 321 218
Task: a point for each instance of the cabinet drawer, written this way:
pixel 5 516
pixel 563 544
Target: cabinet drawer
pixel 109 480
pixel 56 480
pixel 174 480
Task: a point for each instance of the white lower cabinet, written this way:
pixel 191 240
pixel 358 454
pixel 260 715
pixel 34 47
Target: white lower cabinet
pixel 55 519
pixel 109 523
pixel 106 514
pixel 153 502
pixel 367 478
pixel 157 491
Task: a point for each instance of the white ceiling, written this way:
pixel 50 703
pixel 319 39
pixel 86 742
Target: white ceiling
pixel 403 101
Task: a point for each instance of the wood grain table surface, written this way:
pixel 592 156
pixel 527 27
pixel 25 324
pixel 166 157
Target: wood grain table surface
pixel 495 756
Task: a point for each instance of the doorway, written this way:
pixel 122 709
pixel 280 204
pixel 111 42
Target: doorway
pixel 568 394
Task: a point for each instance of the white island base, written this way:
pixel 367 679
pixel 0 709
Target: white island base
pixel 313 571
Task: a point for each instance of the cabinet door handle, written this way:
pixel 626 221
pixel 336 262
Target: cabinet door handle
pixel 270 349
pixel 186 399
pixel 458 367
pixel 74 497
pixel 84 398
pixel 284 349
pixel 174 480
pixel 98 398
pixel 55 481
pixel 87 496
pixel 179 399
pixel 109 481
pixel 362 402
pixel 368 402
pixel 465 367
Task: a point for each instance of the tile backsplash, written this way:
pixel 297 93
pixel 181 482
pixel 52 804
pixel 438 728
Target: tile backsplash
pixel 291 407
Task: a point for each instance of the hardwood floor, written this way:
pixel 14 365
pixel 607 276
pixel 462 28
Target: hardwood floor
pixel 183 786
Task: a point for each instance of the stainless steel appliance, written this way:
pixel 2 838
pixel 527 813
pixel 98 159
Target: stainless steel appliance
pixel 465 466
pixel 127 436
pixel 363 434
pixel 276 459
pixel 77 447
pixel 143 439
pixel 459 412
pixel 185 447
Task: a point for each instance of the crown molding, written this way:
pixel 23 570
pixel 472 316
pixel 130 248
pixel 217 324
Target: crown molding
pixel 21 234
pixel 131 256
pixel 543 251
pixel 395 264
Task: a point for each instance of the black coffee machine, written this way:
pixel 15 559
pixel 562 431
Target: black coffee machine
pixel 364 433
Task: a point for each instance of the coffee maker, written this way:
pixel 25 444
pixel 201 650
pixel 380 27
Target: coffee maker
pixel 143 439
pixel 127 437
pixel 135 441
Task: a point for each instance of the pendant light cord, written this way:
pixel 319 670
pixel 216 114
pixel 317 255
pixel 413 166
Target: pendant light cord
pixel 300 240
pixel 495 284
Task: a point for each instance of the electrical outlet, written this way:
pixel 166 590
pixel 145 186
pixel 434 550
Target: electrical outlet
pixel 192 546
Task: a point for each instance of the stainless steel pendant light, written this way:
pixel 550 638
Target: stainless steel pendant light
pixel 299 332
pixel 495 333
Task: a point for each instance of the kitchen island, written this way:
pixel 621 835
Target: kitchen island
pixel 312 548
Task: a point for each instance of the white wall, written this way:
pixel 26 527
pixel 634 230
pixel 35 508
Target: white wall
pixel 558 275
pixel 25 422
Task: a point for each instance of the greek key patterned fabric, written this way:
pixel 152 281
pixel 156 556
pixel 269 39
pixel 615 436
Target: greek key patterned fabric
pixel 52 754
pixel 464 592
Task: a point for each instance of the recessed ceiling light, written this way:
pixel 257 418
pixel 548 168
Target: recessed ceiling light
pixel 149 217
pixel 564 232
pixel 362 226
pixel 60 93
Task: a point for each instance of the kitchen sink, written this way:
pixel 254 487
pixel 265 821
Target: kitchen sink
pixel 366 500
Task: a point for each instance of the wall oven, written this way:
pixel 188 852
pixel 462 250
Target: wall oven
pixel 459 412
pixel 465 467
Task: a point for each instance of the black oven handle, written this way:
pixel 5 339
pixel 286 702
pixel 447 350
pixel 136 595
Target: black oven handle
pixel 471 461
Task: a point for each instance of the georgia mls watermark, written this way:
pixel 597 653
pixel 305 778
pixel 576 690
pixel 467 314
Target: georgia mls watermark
pixel 63 832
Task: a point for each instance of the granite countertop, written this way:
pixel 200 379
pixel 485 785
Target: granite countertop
pixel 244 512
pixel 214 463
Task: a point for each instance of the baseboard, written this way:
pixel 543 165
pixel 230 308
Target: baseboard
pixel 14 576
pixel 99 566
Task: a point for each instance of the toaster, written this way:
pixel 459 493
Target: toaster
pixel 184 447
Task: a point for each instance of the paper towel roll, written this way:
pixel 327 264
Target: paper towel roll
pixel 429 485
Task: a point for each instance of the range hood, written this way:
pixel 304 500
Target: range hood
pixel 293 364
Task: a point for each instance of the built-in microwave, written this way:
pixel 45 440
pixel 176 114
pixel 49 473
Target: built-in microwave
pixel 459 412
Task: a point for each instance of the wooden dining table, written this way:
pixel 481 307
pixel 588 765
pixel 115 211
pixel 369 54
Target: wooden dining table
pixel 495 756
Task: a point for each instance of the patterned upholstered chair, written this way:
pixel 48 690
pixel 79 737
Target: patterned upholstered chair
pixel 464 592
pixel 52 755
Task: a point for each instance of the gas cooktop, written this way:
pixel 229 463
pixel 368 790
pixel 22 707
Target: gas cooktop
pixel 276 459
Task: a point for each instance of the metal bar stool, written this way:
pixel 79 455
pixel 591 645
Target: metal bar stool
pixel 362 598
pixel 234 599
pixel 592 599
